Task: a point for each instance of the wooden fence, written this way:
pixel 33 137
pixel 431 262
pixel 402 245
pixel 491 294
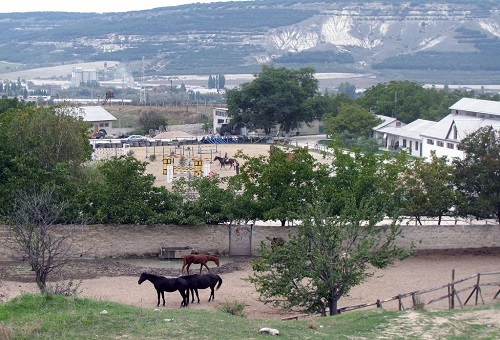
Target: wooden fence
pixel 454 289
pixel 452 294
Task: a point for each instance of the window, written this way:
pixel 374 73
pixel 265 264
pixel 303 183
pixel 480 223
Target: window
pixel 450 145
pixel 220 121
pixel 416 146
pixel 404 143
pixel 430 141
pixel 440 143
pixel 455 133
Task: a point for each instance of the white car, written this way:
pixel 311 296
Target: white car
pixel 134 138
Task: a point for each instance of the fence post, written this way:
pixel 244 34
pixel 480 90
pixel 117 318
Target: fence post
pixel 414 300
pixel 401 307
pixel 477 286
pixel 379 304
pixel 452 291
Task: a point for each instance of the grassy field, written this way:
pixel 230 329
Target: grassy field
pixel 129 115
pixel 57 317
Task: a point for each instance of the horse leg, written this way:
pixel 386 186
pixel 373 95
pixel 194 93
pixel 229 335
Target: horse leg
pixel 187 268
pixel 197 296
pixel 204 264
pixel 158 304
pixel 183 295
pixel 201 267
pixel 212 294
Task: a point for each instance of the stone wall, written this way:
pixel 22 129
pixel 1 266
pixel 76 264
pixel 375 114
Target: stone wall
pixel 124 241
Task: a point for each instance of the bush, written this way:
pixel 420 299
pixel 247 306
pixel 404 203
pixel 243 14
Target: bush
pixel 234 308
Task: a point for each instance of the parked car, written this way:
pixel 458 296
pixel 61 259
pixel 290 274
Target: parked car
pixel 134 138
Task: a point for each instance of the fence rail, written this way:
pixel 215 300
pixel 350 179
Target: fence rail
pixel 452 293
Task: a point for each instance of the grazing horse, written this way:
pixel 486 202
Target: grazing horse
pixel 200 259
pixel 163 284
pixel 223 161
pixel 203 282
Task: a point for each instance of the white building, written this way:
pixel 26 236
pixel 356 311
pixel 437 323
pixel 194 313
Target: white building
pixel 220 118
pixel 422 137
pixel 466 116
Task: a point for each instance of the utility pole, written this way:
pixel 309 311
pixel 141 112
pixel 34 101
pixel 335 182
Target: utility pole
pixel 142 98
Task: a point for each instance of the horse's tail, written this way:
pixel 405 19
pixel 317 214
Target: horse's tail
pixel 220 282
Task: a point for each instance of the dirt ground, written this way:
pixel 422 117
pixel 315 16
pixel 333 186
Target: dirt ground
pixel 209 151
pixel 115 280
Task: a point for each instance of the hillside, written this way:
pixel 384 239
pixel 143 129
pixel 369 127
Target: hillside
pixel 450 38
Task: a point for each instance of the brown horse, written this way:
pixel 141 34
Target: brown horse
pixel 223 161
pixel 200 259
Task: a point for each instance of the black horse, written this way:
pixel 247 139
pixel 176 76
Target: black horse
pixel 202 282
pixel 163 284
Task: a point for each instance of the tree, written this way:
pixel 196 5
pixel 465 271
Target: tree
pixel 477 176
pixel 348 89
pixel 351 119
pixel 43 147
pixel 281 183
pixel 32 225
pixel 275 96
pixel 151 120
pixel 329 254
pixel 428 188
pixel 119 191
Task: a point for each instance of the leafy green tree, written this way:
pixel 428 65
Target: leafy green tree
pixel 151 120
pixel 361 174
pixel 330 253
pixel 275 96
pixel 326 103
pixel 282 182
pixel 206 200
pixel 348 89
pixel 428 188
pixel 407 101
pixel 351 119
pixel 119 191
pixel 44 147
pixel 477 176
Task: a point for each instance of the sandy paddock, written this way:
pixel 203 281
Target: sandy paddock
pixel 420 272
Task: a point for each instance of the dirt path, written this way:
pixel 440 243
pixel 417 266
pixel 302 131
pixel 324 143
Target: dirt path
pixel 420 272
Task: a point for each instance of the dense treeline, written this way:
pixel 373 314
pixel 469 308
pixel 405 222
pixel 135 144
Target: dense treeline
pixel 45 147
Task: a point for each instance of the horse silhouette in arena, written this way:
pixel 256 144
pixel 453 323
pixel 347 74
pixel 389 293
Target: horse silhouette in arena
pixel 225 161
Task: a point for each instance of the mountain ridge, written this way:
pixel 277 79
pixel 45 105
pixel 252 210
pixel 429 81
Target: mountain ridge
pixel 237 37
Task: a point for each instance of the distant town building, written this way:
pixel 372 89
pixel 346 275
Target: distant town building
pixel 80 75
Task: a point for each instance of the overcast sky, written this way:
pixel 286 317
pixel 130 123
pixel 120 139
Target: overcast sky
pixel 98 6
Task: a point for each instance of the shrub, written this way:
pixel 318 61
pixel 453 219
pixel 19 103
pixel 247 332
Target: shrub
pixel 234 308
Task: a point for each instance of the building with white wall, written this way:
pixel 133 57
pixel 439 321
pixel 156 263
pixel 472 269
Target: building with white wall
pixel 422 137
pixel 466 116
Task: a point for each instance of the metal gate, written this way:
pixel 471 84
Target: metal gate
pixel 240 240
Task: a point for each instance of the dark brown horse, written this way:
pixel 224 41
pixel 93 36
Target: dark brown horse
pixel 224 161
pixel 200 259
